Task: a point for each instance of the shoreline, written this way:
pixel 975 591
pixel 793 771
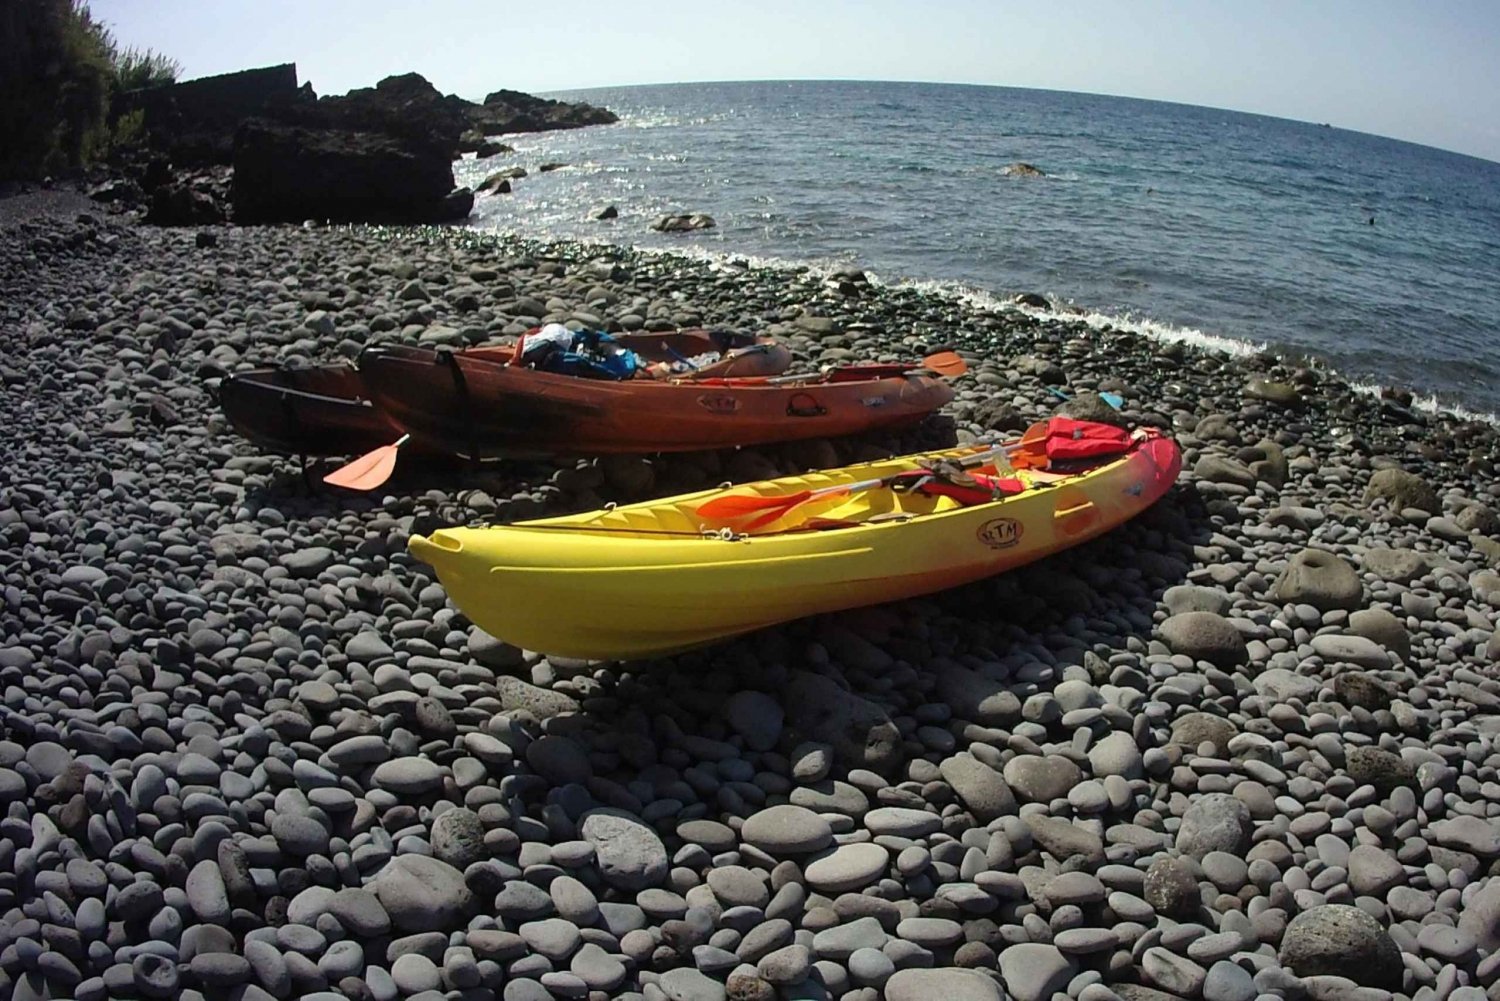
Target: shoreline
pixel 252 752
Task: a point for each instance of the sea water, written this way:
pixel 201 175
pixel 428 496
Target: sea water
pixel 1381 257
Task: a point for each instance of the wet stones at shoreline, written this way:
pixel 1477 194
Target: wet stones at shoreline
pixel 245 745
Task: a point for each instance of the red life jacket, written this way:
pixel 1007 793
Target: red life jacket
pixel 1067 440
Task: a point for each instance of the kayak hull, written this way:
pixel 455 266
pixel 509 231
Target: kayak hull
pixel 314 411
pixel 480 409
pixel 603 586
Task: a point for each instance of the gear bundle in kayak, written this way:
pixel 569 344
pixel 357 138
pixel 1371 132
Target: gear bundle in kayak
pixel 649 579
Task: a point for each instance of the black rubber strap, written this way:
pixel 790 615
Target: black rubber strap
pixel 461 384
pixel 812 408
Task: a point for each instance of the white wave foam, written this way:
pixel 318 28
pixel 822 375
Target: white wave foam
pixel 1156 330
pixel 1429 403
pixel 1144 326
pixel 818 267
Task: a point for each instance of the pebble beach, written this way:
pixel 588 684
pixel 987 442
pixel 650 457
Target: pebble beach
pixel 1242 748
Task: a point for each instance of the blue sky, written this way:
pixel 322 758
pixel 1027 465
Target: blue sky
pixel 1425 72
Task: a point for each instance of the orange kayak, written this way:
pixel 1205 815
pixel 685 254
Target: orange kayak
pixel 480 408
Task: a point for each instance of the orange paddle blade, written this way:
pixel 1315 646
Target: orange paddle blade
pixel 1031 451
pixel 946 363
pixel 369 470
pixel 740 505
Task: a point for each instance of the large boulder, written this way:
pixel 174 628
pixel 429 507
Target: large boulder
pixel 179 204
pixel 1221 469
pixel 949 983
pixel 1481 916
pixel 193 122
pixel 288 173
pixel 1280 393
pixel 979 787
pixel 1402 490
pixel 1399 565
pixel 1194 729
pixel 513 111
pixel 1037 778
pixel 1375 766
pixel 1033 971
pixel 1380 626
pixel 1267 461
pixel 976 696
pixel 631 856
pixel 1218 822
pixel 421 893
pixel 408 105
pixel 1321 579
pixel 405 106
pixel 1341 941
pixel 1205 636
pixel 683 223
pixel 858 730
pixel 1089 406
pixel 1171 888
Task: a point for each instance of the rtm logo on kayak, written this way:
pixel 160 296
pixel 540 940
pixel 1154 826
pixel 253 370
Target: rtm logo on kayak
pixel 1000 533
pixel 718 403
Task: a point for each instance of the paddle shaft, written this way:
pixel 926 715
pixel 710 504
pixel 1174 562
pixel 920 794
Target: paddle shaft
pixel 948 364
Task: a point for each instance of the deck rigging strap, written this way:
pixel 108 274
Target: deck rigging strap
pixel 461 383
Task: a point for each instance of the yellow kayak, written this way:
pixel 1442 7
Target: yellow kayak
pixel 659 577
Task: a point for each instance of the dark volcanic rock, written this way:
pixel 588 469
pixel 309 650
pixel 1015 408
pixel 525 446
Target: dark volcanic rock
pixel 287 174
pixel 194 122
pixel 513 111
pixel 410 107
pixel 183 205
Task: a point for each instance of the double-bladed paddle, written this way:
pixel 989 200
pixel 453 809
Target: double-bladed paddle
pixel 768 509
pixel 945 363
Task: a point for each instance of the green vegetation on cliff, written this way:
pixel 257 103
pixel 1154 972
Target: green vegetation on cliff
pixel 58 69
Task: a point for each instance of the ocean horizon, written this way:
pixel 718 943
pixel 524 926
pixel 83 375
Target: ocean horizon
pixel 1232 229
